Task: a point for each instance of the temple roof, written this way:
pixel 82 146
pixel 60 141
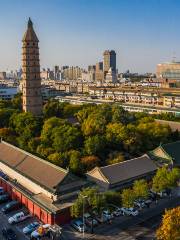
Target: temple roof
pixel 30 35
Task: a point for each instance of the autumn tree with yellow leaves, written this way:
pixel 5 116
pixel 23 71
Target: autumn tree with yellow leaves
pixel 170 226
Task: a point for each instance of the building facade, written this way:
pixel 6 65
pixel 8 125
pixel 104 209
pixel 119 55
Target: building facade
pixel 32 98
pixel 99 72
pixel 169 70
pixel 109 61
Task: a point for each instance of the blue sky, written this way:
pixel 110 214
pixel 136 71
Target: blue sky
pixel 76 32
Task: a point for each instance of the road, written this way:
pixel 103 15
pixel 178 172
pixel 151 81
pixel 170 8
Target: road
pixel 125 227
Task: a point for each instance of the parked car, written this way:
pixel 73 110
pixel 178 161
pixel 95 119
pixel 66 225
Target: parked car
pixel 107 214
pixel 148 202
pixel 139 203
pixel 1 190
pixel 89 220
pixel 8 234
pixel 41 231
pixel 99 217
pixel 18 217
pixel 162 193
pixel 153 196
pixel 13 205
pixel 116 211
pixel 78 225
pixel 4 198
pixel 31 227
pixel 129 211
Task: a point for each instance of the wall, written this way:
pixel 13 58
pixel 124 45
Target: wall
pixel 60 218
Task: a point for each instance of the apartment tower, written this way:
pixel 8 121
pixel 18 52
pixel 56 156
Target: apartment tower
pixel 109 61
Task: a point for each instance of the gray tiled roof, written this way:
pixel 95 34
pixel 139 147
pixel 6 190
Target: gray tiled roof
pixel 32 167
pixel 173 150
pixel 128 169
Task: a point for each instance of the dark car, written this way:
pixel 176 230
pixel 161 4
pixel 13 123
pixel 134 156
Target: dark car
pixel 1 190
pixel 4 198
pixel 8 234
pixel 13 205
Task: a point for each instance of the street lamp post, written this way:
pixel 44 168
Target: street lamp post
pixel 83 197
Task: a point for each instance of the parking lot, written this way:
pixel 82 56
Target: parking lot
pixel 127 227
pixel 18 227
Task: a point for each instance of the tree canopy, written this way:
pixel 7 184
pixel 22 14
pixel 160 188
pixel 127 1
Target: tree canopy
pixel 170 226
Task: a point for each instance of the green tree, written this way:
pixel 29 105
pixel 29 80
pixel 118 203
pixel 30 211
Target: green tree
pixel 33 144
pixel 8 135
pixel 53 109
pixel 5 114
pixel 16 101
pixel 57 159
pixel 116 133
pixel 128 198
pixel 71 109
pixel 113 198
pixel 160 180
pixel 26 126
pixel 86 110
pixel 77 207
pixel 44 151
pixel 48 126
pixel 91 198
pixel 94 124
pixel 119 115
pixel 65 138
pixel 173 177
pixel 140 188
pixel 75 163
pixel 115 157
pixel 94 145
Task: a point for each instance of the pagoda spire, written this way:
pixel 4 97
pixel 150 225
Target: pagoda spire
pixel 30 23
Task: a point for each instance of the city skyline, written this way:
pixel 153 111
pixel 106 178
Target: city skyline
pixel 142 33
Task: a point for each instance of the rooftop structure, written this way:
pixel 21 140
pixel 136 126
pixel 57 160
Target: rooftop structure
pixel 119 175
pixel 167 153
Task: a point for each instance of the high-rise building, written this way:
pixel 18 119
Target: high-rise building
pixel 91 68
pixel 99 72
pixel 111 76
pixel 109 61
pixel 32 97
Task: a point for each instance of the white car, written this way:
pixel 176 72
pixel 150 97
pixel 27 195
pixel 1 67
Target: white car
pixel 40 231
pixel 139 203
pixel 18 217
pixel 31 227
pixel 107 214
pixel 129 211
